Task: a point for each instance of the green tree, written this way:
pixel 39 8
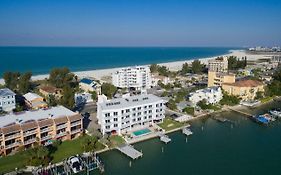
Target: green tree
pixel 185 69
pixel 60 77
pixel 108 89
pixel 24 82
pixel 230 100
pixel 52 101
pixel 67 99
pixel 89 144
pixel 197 67
pixel 164 71
pixel 153 68
pixel 94 95
pixel 189 110
pixel 172 104
pixel 11 79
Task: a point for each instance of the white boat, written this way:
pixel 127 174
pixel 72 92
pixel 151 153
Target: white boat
pixel 275 112
pixel 75 164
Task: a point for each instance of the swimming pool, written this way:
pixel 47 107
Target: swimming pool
pixel 141 132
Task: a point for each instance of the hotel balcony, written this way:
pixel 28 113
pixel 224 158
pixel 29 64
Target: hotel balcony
pixel 30 141
pixel 12 145
pixel 29 133
pixel 61 126
pixel 12 136
pixel 46 138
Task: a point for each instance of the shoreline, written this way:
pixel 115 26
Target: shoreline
pixel 173 66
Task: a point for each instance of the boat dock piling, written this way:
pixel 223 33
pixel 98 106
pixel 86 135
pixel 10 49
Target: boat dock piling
pixel 130 151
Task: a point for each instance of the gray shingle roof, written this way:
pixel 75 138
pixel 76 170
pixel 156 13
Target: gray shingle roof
pixel 5 92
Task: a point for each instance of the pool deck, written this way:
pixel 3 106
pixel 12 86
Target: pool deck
pixel 130 151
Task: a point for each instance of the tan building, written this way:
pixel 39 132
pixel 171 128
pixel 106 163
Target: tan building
pixel 217 78
pixel 47 91
pixel 245 89
pixel 42 127
pixel 219 64
pixel 34 101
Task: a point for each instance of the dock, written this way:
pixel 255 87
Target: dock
pixel 187 131
pixel 165 138
pixel 130 151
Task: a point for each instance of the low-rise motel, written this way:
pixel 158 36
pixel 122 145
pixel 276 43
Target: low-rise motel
pixel 43 126
pixel 124 114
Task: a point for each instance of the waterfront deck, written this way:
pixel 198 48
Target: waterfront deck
pixel 130 151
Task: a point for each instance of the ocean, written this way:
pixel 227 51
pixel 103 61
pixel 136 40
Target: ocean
pixel 40 60
pixel 243 148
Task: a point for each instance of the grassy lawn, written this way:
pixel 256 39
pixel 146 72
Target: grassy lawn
pixel 170 124
pixel 69 148
pixel 9 163
pixel 64 150
pixel 116 140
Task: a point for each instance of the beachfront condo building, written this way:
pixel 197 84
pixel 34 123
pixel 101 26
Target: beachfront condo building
pixel 211 95
pixel 137 77
pixel 219 64
pixel 43 126
pixel 125 114
pixel 218 78
pixel 244 89
pixel 7 100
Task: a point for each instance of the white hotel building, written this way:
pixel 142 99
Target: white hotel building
pixel 137 77
pixel 122 114
pixel 7 100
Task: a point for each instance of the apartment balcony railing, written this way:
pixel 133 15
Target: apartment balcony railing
pixel 12 136
pixel 30 141
pixel 75 131
pixel 46 138
pixel 61 134
pixel 46 130
pixel 12 145
pixel 61 126
pixel 76 123
pixel 29 133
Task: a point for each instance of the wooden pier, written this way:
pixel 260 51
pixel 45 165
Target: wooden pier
pixel 187 131
pixel 165 138
pixel 130 151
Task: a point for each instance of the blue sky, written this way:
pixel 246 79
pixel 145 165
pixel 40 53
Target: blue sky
pixel 140 22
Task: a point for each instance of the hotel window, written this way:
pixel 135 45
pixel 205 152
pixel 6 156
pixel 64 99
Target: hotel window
pixel 161 104
pixel 115 113
pixel 150 116
pixel 107 127
pixel 134 114
pixel 139 119
pixel 156 105
pixel 134 109
pixel 145 117
pixel 127 110
pixel 134 120
pixel 145 112
pixel 107 114
pixel 139 113
pixel 139 108
pixel 115 119
pixel 150 106
pixel 157 110
pixel 107 121
pixel 150 111
pixel 122 111
pixel 115 125
pixel 145 107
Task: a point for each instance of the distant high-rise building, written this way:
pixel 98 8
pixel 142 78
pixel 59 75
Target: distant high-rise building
pixel 218 65
pixel 137 77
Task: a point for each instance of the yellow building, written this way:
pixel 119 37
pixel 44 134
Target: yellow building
pixel 218 78
pixel 34 101
pixel 245 89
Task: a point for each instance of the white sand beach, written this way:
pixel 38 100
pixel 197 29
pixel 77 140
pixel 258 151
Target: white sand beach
pixel 173 66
